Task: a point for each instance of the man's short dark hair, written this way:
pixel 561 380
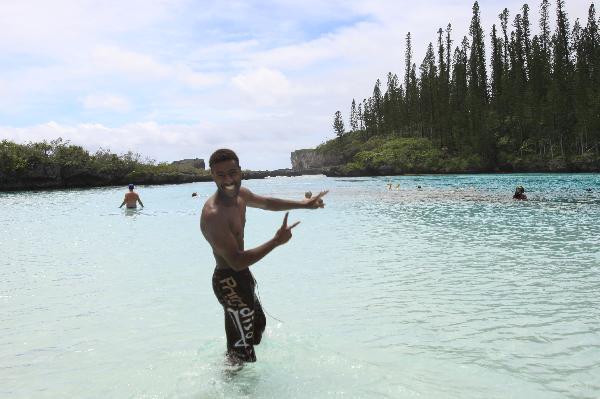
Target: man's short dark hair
pixel 221 155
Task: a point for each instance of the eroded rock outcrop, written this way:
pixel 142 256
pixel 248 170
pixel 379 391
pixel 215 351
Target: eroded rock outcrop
pixel 309 159
pixel 195 163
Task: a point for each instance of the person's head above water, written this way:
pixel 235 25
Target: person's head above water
pixel 131 187
pixel 519 190
pixel 225 170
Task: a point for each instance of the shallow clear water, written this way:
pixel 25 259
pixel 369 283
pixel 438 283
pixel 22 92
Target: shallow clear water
pixel 454 290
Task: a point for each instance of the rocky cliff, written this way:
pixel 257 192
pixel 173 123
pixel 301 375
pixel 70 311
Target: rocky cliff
pixel 196 163
pixel 304 160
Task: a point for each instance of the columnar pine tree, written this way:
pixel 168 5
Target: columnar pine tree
pixel 481 139
pixel 458 96
pixel 540 79
pixel 448 52
pixel 592 50
pixel 518 82
pixel 353 117
pixel 338 124
pixel 391 106
pixel 377 108
pixel 562 79
pixel 497 69
pixel 526 26
pixel 496 112
pixel 545 39
pixel 449 140
pixel 410 84
pixel 442 122
pixel 504 24
pixel 361 121
pixel 427 93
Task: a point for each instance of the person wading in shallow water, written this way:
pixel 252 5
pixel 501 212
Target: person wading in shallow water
pixel 222 224
pixel 520 193
pixel 131 199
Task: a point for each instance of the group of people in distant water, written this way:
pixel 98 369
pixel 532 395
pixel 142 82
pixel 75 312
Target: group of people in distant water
pixel 132 198
pixel 390 185
pixel 519 191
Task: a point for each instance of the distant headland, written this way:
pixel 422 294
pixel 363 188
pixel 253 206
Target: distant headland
pixel 354 155
pixel 58 164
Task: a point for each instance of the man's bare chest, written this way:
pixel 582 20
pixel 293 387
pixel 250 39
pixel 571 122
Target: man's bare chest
pixel 236 221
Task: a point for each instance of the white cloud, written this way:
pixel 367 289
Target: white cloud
pixel 106 102
pixel 171 142
pixel 265 87
pixel 64 27
pixel 139 66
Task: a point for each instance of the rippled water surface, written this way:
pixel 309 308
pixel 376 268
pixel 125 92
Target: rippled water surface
pixel 453 290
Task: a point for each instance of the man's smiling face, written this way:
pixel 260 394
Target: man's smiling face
pixel 228 178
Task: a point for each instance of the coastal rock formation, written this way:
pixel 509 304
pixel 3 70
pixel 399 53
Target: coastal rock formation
pixel 309 159
pixel 261 174
pixel 195 163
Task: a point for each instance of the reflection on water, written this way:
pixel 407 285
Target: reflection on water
pixel 451 290
pixel 132 212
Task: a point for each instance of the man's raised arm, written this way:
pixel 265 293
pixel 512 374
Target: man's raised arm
pixel 278 204
pixel 225 245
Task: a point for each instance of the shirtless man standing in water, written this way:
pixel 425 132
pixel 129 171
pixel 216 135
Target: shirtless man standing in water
pixel 131 199
pixel 222 224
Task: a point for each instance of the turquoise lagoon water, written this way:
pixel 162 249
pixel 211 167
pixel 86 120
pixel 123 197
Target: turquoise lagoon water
pixel 451 291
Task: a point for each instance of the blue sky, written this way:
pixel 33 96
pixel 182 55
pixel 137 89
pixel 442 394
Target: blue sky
pixel 175 79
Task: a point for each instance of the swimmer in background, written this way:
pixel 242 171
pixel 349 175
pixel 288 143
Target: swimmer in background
pixel 520 193
pixel 131 199
pixel 389 186
pixel 308 195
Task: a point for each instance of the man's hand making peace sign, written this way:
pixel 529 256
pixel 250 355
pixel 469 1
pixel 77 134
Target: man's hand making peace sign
pixel 284 233
pixel 315 202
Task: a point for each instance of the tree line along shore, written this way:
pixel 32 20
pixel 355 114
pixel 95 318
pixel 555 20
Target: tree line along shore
pixel 59 164
pixel 535 107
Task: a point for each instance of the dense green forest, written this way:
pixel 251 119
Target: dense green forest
pixel 535 104
pixel 60 164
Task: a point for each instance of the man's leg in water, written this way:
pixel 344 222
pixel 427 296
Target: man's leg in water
pixel 244 319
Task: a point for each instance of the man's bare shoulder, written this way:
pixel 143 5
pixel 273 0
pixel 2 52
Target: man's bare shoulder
pixel 247 197
pixel 209 209
pixel 244 192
